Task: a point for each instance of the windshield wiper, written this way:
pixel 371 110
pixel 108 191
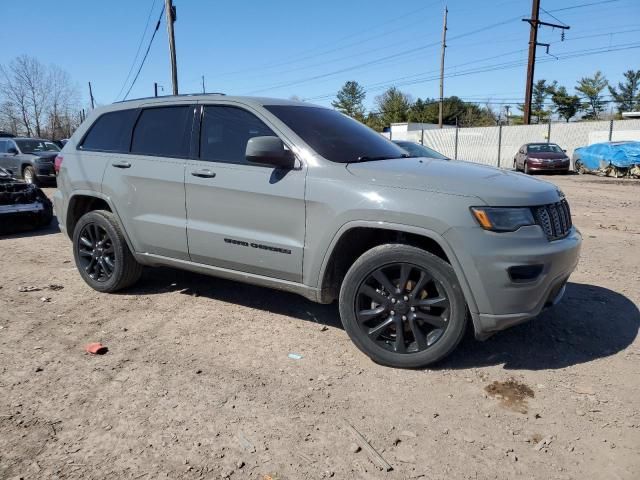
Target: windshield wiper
pixel 366 158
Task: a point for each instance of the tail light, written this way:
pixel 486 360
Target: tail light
pixel 57 164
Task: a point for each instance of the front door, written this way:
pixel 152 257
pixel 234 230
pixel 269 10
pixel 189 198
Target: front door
pixel 239 216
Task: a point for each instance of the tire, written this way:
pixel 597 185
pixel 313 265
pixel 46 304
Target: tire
pixel 29 175
pixel 99 247
pixel 527 171
pixel 385 346
pixel 515 165
pixel 578 167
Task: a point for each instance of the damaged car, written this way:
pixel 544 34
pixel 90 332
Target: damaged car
pixel 611 159
pixel 22 205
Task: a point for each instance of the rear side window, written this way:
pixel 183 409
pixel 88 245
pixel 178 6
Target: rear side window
pixel 163 131
pixel 111 132
pixel 3 146
pixel 225 131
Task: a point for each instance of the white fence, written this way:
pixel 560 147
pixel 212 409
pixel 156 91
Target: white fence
pixel 498 145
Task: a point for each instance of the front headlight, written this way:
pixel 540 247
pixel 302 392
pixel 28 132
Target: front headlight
pixel 508 219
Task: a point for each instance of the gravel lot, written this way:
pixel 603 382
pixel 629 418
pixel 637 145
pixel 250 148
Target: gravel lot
pixel 197 382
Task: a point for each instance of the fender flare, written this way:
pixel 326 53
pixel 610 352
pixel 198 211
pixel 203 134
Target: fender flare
pixel 436 237
pixel 107 200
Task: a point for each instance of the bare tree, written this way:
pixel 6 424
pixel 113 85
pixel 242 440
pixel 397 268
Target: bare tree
pixel 39 100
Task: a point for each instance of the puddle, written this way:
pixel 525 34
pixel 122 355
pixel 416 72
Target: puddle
pixel 512 394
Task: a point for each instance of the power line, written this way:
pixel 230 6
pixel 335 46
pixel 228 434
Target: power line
pixel 495 67
pixel 145 53
pixel 135 58
pixel 555 18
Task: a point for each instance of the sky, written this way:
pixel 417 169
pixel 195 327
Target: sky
pixel 282 48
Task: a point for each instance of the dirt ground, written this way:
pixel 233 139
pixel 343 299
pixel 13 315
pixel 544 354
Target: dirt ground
pixel 197 382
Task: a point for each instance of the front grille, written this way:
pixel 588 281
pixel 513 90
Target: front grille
pixel 555 219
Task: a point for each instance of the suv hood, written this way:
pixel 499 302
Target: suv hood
pixel 494 186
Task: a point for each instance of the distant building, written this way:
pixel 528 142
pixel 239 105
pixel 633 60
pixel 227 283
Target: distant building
pixel 398 131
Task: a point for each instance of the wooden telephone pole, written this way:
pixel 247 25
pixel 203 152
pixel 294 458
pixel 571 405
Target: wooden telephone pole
pixel 535 22
pixel 171 17
pixel 444 46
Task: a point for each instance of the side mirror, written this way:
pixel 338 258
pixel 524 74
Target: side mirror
pixel 269 151
pixel 564 150
pixel 12 151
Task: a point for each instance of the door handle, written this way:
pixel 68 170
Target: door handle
pixel 121 164
pixel 204 173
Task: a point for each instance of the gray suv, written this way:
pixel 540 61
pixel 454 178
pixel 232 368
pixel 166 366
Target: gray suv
pixel 301 198
pixel 29 158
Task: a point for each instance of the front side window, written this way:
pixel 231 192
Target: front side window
pixel 163 131
pixel 36 146
pixel 111 132
pixel 335 136
pixel 3 146
pixel 225 131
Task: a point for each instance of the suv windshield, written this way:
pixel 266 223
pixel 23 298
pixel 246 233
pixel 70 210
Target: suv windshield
pixel 544 148
pixel 335 136
pixel 35 146
pixel 417 150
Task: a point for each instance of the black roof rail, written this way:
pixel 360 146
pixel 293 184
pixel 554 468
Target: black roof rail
pixel 167 96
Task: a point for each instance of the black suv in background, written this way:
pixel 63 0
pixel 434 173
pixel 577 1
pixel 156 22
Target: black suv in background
pixel 29 158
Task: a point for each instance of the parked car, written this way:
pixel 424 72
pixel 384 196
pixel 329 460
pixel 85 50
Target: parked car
pixel 302 198
pixel 618 158
pixel 29 158
pixel 22 205
pixel 541 157
pixel 60 143
pixel 416 150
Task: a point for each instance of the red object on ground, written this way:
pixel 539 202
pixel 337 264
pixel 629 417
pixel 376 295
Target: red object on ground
pixel 96 348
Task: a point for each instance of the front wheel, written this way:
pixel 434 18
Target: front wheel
pixel 402 306
pixel 29 175
pixel 527 170
pixel 101 253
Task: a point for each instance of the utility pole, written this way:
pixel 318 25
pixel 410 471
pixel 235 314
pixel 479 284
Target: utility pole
pixel 93 102
pixel 171 17
pixel 155 89
pixel 444 46
pixel 508 110
pixel 534 22
pixel 203 91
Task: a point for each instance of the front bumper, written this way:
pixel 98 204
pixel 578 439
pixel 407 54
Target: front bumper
pixel 549 166
pixel 486 258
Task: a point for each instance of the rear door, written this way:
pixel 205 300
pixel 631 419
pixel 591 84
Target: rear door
pixel 239 216
pixel 146 184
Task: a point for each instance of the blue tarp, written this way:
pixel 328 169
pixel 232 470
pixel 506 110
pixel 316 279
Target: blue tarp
pixel 601 155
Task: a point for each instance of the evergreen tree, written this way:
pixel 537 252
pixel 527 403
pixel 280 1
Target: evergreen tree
pixel 349 100
pixel 566 106
pixel 591 88
pixel 393 106
pixel 627 95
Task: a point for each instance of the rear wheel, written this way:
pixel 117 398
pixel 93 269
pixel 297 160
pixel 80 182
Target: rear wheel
pixel 101 253
pixel 402 306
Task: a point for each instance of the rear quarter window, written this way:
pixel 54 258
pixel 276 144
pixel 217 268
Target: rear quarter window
pixel 111 132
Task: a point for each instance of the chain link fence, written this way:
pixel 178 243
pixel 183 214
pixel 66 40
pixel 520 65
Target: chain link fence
pixel 498 145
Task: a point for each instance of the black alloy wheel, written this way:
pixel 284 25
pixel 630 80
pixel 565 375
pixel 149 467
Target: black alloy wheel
pixel 402 308
pixel 96 253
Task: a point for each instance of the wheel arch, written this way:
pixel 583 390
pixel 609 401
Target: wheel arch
pixel 355 238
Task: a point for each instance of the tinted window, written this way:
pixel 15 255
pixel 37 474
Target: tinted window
pixel 417 150
pixel 225 132
pixel 335 136
pixel 3 146
pixel 544 148
pixel 35 146
pixel 111 132
pixel 164 132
